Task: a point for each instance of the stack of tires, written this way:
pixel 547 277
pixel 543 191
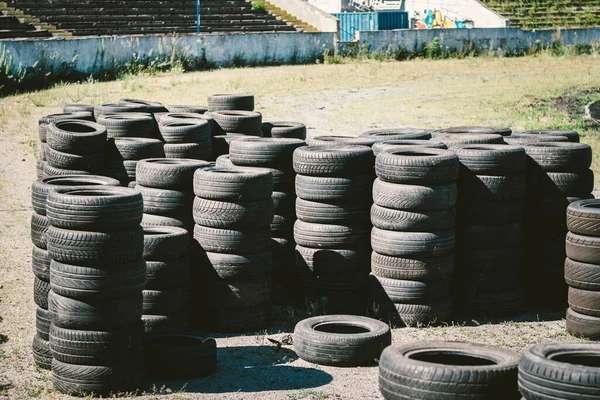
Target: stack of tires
pixel 226 102
pixel 124 153
pixel 333 186
pixel 186 109
pixel 119 109
pixel 40 260
pixel 74 147
pixel 491 201
pixel 189 138
pixel 43 127
pixel 276 155
pixel 557 175
pixel 388 145
pixel 232 211
pixel 340 140
pixel 166 251
pixel 166 184
pixel 386 134
pixel 581 268
pixel 97 275
pixel 129 124
pixel 152 107
pixel 413 235
pixel 284 129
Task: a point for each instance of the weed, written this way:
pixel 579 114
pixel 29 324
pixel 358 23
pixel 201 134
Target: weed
pixel 258 6
pixel 33 391
pixel 308 395
pixel 2 354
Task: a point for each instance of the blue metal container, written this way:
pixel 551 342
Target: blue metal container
pixel 370 21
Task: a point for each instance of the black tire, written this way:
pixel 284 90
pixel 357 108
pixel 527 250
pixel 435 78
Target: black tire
pixel 101 208
pixel 186 116
pixel 581 325
pixel 70 108
pixel 130 148
pixel 341 340
pixel 411 292
pixel 329 236
pixel 233 241
pixel 233 184
pixel 165 243
pixel 89 162
pixel 42 355
pixel 39 227
pixel 219 102
pixel 75 137
pixel 240 267
pixel 149 220
pixel 585 302
pixel 164 301
pixel 83 283
pixel 333 160
pixel 480 130
pixel 236 294
pixel 338 213
pixel 418 315
pixel 233 215
pixel 452 140
pixel 50 171
pixel 166 173
pixel 39 168
pixel 492 159
pixel 194 151
pixel 572 136
pixel 105 348
pixel 139 125
pixel 165 201
pixel 190 131
pixel 564 370
pixel 560 157
pixel 122 170
pixel 397 134
pixel 168 274
pixel 340 141
pixel 414 197
pixel 40 263
pixel 237 121
pixel 490 236
pixel 186 109
pixel 264 152
pixel 102 314
pixel 333 189
pixel 415 221
pixel 571 184
pixel 120 108
pixel 82 380
pixel 224 161
pixel 174 322
pixel 151 106
pixel 220 145
pixel 179 356
pixel 48 119
pixel 581 275
pixel 448 370
pixel 95 248
pixel 491 212
pixel 333 265
pixel 416 165
pixel 491 188
pixel 41 289
pixel 518 139
pixel 412 244
pixel 412 269
pixel 585 249
pixel 284 129
pixel 41 187
pixel 583 217
pixel 400 144
pixel 42 323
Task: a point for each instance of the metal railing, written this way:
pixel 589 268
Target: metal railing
pixel 197 17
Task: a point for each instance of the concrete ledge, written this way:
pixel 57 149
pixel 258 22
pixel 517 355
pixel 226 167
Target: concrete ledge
pixel 309 14
pixel 94 55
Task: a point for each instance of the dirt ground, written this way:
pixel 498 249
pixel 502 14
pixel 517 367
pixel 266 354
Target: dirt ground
pixel 331 99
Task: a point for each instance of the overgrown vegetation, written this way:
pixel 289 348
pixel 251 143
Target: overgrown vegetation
pixel 258 6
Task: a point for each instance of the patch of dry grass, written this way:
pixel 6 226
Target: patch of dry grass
pixel 340 99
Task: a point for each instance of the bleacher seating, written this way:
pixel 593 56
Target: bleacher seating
pixel 121 17
pixel 11 27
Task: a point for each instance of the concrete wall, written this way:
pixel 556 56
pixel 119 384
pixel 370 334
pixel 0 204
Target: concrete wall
pixel 500 40
pixel 474 10
pixel 92 55
pixel 329 6
pixel 309 14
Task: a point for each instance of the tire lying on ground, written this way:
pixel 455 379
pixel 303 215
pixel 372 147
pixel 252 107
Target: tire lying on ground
pixel 567 370
pixel 448 370
pixel 341 340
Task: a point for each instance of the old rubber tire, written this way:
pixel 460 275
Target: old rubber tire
pixel 385 134
pixel 50 171
pixel 179 356
pixel 491 212
pixel 185 131
pixel 41 289
pixel 491 188
pixel 130 124
pixel 448 370
pixel 164 301
pixel 232 267
pixel 581 325
pixel 582 248
pixel 341 340
pixel 284 129
pixel 42 355
pixel 40 263
pixel 333 264
pixel 67 115
pixel 165 201
pixel 168 274
pixel 333 160
pixel 570 184
pixel 233 184
pixel 42 323
pixel 218 102
pixel 233 215
pixel 264 152
pixel 326 213
pixel 237 121
pixel 41 187
pixel 75 137
pixel 190 109
pixel 329 236
pixel 166 173
pixel 340 140
pixel 151 106
pixel 235 294
pixel 419 315
pixel 479 130
pixel 585 301
pixel 491 159
pixel 70 108
pixel 149 220
pixel 195 151
pixel 130 148
pixel 414 197
pixel 581 275
pixel 249 241
pixel 95 248
pixel 417 166
pixel 174 322
pixel 39 227
pixel 165 243
pixel 560 157
pixel 564 370
pixel 411 292
pixel 334 189
pixel 490 236
pixel 583 217
pixel 399 144
pixel 452 140
pixel 572 136
pixel 413 244
pixel 415 269
pixel 412 221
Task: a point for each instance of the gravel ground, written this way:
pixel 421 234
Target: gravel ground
pixel 251 366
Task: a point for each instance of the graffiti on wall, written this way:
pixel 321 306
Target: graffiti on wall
pixel 434 19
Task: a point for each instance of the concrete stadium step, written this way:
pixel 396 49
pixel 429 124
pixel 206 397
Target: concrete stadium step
pixel 17 33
